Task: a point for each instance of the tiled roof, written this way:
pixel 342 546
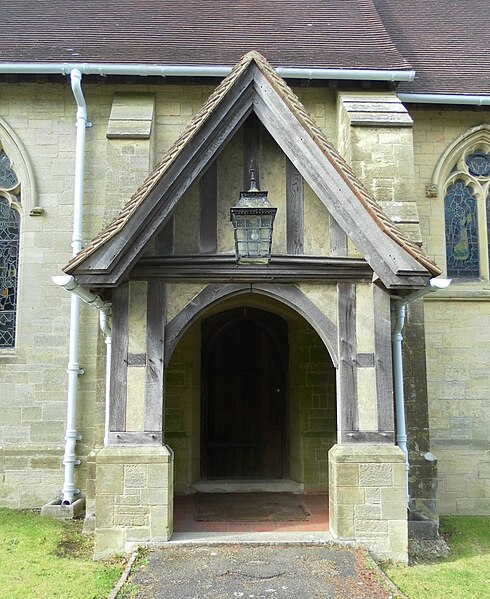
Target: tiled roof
pixel 446 41
pixel 311 33
pixel 293 103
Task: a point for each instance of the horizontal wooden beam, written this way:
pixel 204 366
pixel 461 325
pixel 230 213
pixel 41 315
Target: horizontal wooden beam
pixel 219 268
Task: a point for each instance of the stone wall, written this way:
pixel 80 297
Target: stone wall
pixel 458 365
pixel 313 422
pixel 33 376
pixel 457 342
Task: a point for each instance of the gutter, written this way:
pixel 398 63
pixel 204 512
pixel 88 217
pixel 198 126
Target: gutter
pixel 445 99
pixel 397 349
pixel 146 70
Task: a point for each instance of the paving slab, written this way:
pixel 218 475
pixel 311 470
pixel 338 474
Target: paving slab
pixel 258 572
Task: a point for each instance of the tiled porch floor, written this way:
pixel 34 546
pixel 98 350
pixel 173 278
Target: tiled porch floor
pixel 317 521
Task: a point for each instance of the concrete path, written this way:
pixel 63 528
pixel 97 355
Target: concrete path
pixel 256 572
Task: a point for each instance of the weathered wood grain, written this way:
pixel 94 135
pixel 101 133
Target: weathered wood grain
pixel 209 295
pixel 330 187
pixel 121 251
pixel 294 210
pixel 251 150
pixel 281 268
pixel 347 406
pixel 137 360
pixel 119 358
pixel 337 238
pixel 155 343
pixel 297 300
pixel 208 210
pixel 383 359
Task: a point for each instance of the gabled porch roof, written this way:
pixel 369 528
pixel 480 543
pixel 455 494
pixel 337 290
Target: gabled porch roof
pixel 253 85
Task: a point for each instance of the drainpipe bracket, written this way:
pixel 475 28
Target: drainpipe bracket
pixel 79 437
pixel 89 124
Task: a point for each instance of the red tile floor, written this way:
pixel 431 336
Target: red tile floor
pixel 317 521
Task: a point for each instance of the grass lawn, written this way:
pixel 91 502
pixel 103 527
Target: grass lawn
pixel 464 573
pixel 48 559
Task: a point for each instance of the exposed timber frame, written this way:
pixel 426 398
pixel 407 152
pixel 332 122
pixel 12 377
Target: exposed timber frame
pixel 223 268
pixel 253 87
pixel 289 295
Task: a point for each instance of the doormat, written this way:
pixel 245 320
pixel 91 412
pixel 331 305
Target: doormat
pixel 249 507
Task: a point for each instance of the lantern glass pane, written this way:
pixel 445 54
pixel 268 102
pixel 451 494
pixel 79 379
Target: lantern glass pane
pixel 253 234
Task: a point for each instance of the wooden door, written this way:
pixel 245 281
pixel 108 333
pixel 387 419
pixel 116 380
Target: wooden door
pixel 244 395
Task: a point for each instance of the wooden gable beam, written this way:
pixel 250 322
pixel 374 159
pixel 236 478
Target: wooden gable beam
pixel 384 255
pixel 111 262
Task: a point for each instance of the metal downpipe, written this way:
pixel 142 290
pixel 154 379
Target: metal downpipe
pixel 401 428
pixel 95 301
pixel 106 330
pixel 397 351
pixel 71 435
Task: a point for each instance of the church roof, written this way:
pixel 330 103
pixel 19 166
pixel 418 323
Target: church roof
pixel 311 33
pixel 335 162
pixel 446 41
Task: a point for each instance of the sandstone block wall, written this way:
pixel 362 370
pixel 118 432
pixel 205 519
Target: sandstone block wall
pixel 457 342
pixel 133 498
pixel 368 498
pixel 33 375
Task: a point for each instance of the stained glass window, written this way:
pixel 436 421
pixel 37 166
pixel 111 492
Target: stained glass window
pixel 9 260
pixel 478 164
pixel 8 179
pixel 460 211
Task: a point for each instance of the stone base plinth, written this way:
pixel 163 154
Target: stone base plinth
pixel 133 498
pixel 368 498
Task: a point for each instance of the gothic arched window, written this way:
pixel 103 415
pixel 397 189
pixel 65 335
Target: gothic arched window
pixel 463 176
pixel 9 250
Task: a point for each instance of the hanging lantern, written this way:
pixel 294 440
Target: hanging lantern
pixel 253 220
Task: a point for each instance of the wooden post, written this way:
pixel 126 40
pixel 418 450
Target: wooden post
pixel 155 362
pixel 347 372
pixel 119 362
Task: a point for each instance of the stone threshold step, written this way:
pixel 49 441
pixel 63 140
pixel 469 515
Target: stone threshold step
pixel 280 485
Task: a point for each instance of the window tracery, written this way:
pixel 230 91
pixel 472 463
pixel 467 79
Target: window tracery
pixel 466 193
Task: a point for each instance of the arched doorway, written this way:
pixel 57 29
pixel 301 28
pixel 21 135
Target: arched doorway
pixel 244 395
pixel 228 433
